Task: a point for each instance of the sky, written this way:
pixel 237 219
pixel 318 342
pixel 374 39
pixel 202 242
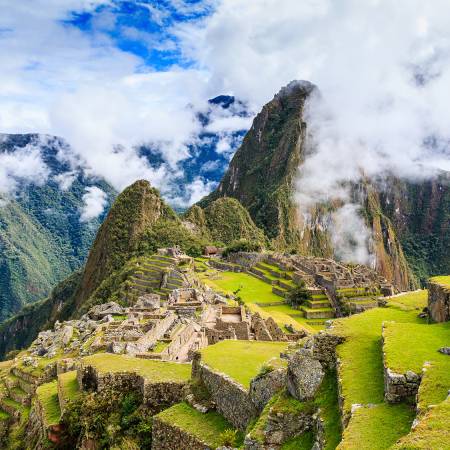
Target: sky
pixel 110 75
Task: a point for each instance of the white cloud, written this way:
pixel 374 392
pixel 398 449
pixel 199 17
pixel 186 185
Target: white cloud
pixel 65 179
pixel 95 201
pixel 24 165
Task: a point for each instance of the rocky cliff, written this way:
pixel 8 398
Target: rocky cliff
pixel 408 222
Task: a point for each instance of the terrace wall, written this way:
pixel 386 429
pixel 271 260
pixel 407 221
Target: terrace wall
pixel 231 399
pixel 155 395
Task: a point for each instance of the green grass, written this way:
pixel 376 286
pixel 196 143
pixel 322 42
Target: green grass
pixel 408 346
pixel 241 360
pixel 120 317
pixel 206 427
pixel 47 395
pixel 69 385
pixel 157 371
pixel 281 403
pixel 443 280
pixel 4 415
pixel 372 427
pixel 361 353
pixel 160 346
pixel 13 404
pixel 253 291
pixel 327 400
pixel 432 431
pixel 303 442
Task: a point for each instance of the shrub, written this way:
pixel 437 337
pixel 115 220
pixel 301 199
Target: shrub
pixel 298 296
pixel 228 437
pixel 242 245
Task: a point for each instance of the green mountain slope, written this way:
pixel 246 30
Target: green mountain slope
pixel 42 239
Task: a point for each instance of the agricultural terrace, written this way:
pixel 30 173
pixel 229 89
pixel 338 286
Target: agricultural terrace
pixel 211 428
pixel 47 395
pixel 362 377
pixel 258 296
pixel 242 360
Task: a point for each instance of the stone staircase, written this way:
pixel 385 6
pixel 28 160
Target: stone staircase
pixel 157 274
pixel 17 389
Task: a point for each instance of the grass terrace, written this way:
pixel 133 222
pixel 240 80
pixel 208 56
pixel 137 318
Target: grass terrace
pixel 206 427
pixel 47 395
pixel 361 354
pixel 432 431
pixel 157 371
pixel 443 280
pixel 373 426
pixel 242 360
pixel 68 383
pixel 408 346
pixel 361 372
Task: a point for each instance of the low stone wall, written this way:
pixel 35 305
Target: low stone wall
pixel 169 437
pixel 155 395
pixel 399 387
pixel 439 302
pixel 225 266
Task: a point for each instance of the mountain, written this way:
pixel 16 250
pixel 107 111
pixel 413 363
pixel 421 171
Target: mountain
pixel 42 239
pixel 408 221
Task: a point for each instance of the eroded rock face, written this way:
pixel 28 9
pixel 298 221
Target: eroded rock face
pixel 304 376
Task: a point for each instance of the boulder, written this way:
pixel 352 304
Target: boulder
pixel 304 376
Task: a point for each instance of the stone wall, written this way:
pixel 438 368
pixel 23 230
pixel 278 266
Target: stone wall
pixel 231 399
pixel 169 437
pixel 155 395
pixel 264 387
pixel 439 302
pixel 246 259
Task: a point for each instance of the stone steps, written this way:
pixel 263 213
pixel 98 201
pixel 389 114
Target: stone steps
pixel 13 408
pixel 164 259
pixel 157 263
pixel 284 285
pixel 314 304
pixel 20 396
pixel 323 313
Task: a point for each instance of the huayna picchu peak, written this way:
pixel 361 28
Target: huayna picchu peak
pixel 200 249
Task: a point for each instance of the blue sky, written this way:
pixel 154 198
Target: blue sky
pixel 143 28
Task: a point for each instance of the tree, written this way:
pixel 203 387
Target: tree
pixel 299 295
